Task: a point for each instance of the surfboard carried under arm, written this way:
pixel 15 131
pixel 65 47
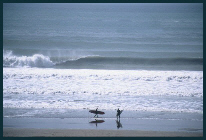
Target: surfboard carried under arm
pixel 97 121
pixel 96 112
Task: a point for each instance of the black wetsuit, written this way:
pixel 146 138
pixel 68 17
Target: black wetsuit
pixel 118 113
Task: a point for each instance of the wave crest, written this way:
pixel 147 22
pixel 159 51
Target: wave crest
pixel 100 62
pixel 37 60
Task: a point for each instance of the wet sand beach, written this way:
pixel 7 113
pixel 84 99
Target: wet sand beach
pixel 108 127
pixel 16 132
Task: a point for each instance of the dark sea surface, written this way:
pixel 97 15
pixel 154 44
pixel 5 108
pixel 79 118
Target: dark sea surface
pixel 103 36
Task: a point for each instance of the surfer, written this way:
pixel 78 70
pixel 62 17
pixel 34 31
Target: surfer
pixel 96 113
pixel 118 113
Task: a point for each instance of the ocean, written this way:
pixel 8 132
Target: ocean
pixel 137 57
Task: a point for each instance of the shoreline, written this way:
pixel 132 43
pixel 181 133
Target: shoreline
pixel 82 127
pixel 31 132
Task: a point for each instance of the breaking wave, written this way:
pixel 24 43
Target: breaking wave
pixel 97 62
pixel 37 60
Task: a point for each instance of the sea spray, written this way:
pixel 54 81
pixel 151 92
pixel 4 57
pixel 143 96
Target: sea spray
pixel 37 60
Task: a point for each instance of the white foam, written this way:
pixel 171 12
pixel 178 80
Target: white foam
pixel 108 89
pixel 37 60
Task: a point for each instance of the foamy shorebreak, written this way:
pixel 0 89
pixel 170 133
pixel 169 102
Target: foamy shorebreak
pixel 108 89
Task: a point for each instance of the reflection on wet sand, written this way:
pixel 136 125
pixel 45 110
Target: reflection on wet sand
pixel 97 121
pixel 118 124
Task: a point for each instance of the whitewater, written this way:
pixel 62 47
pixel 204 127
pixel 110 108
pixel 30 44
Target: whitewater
pixel 79 89
pixel 36 82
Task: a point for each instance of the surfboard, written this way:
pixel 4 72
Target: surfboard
pixel 96 112
pixel 97 121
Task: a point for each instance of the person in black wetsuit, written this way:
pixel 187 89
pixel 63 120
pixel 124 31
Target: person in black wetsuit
pixel 96 113
pixel 118 113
